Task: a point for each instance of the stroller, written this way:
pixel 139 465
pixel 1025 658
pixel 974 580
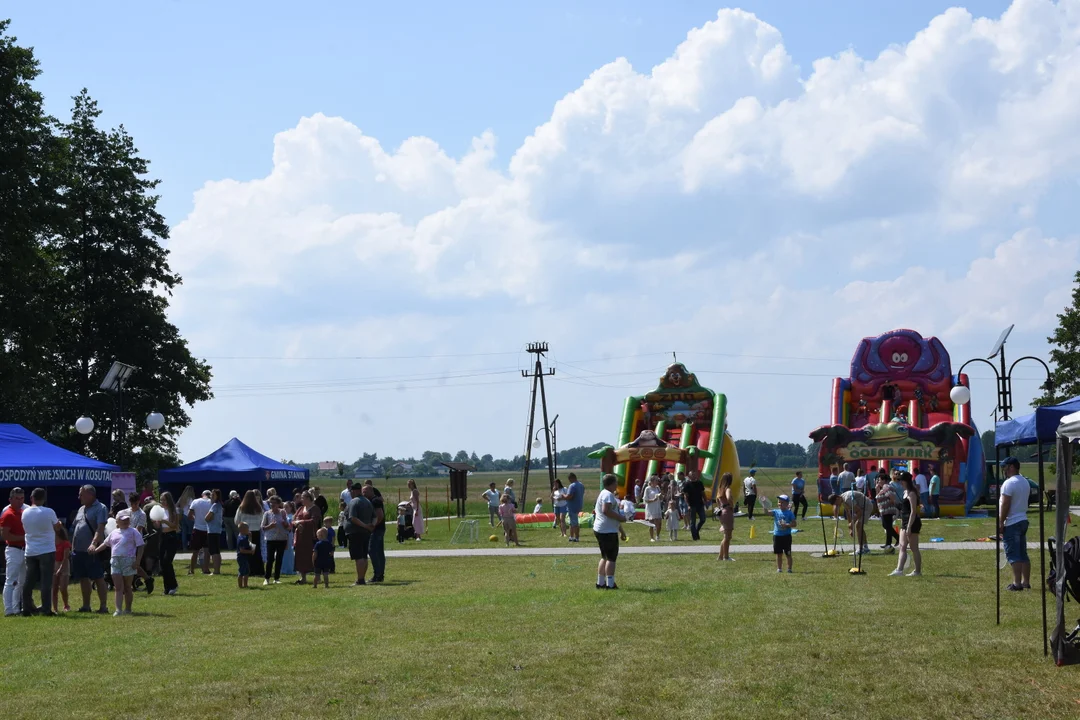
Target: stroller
pixel 405 529
pixel 1069 642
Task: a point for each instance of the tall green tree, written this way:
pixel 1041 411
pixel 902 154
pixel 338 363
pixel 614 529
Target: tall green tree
pixel 110 299
pixel 1065 354
pixel 29 155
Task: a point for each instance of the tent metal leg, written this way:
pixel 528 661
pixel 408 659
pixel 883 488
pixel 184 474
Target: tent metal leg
pixel 997 536
pixel 1042 550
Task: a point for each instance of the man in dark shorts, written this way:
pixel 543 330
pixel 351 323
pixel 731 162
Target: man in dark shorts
pixel 376 543
pixel 89 530
pixel 361 524
pixel 694 492
pixel 200 534
pixel 606 523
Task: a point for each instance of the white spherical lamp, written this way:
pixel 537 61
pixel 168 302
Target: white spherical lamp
pixel 960 395
pixel 536 444
pixel 84 425
pixel 155 421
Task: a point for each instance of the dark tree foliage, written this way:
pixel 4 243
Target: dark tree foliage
pixel 86 281
pixel 1065 354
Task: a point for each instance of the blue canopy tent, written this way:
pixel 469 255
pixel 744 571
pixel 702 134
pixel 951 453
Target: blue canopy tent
pixel 1037 428
pixel 233 466
pixel 29 461
pixel 1040 426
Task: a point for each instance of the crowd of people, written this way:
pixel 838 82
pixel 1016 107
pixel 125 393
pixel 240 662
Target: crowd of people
pixel 122 548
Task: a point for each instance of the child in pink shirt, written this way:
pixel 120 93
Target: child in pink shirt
pixel 126 544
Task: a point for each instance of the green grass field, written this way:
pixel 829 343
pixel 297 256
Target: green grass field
pixel 531 638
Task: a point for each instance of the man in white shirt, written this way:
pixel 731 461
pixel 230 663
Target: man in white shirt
pixel 346 494
pixel 923 486
pixel 39 528
pixel 1013 523
pixel 749 485
pixel 200 535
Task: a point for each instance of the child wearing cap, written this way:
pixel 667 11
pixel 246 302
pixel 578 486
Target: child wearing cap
pixel 126 544
pixel 783 522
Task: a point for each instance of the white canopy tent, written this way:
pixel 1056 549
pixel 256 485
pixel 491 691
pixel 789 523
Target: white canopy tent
pixel 1068 434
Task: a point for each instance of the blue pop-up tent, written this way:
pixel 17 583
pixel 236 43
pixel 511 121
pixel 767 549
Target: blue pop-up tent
pixel 233 466
pixel 1040 426
pixel 29 461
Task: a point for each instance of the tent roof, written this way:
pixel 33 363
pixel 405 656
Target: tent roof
pixel 233 456
pixel 21 449
pixel 1039 426
pixel 1070 426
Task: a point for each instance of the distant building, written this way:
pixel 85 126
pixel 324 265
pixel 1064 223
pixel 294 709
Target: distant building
pixel 328 467
pixel 403 468
pixel 363 472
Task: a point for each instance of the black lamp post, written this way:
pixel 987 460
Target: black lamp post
pixel 962 395
pixel 115 384
pixel 553 459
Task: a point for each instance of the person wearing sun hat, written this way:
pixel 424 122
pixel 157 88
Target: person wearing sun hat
pixel 1013 523
pixel 126 544
pixel 783 522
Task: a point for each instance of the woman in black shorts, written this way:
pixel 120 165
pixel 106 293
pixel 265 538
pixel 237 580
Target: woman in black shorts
pixel 911 525
pixel 606 522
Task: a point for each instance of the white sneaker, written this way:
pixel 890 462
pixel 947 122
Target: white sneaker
pixel 265 583
pixel 914 573
pixel 652 539
pixel 118 613
pixel 896 573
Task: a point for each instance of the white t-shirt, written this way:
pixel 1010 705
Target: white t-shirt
pixel 602 523
pixel 201 506
pixel 1016 487
pixel 345 496
pixel 39 524
pixel 653 504
pixel 846 480
pixel 749 486
pixel 628 509
pixel 492 497
pixel 558 498
pixel 921 483
pixel 538 509
pixel 860 483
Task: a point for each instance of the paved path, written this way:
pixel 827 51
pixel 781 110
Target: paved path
pixel 569 549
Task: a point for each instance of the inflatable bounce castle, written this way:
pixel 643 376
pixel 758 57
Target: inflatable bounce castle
pixel 679 426
pixel 895 411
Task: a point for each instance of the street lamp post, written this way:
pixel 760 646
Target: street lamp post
pixel 961 395
pixel 554 457
pixel 115 383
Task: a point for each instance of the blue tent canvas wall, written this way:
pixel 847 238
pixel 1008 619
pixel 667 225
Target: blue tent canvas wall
pixel 233 466
pixel 29 461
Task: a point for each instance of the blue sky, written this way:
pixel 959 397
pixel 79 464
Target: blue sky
pixel 432 179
